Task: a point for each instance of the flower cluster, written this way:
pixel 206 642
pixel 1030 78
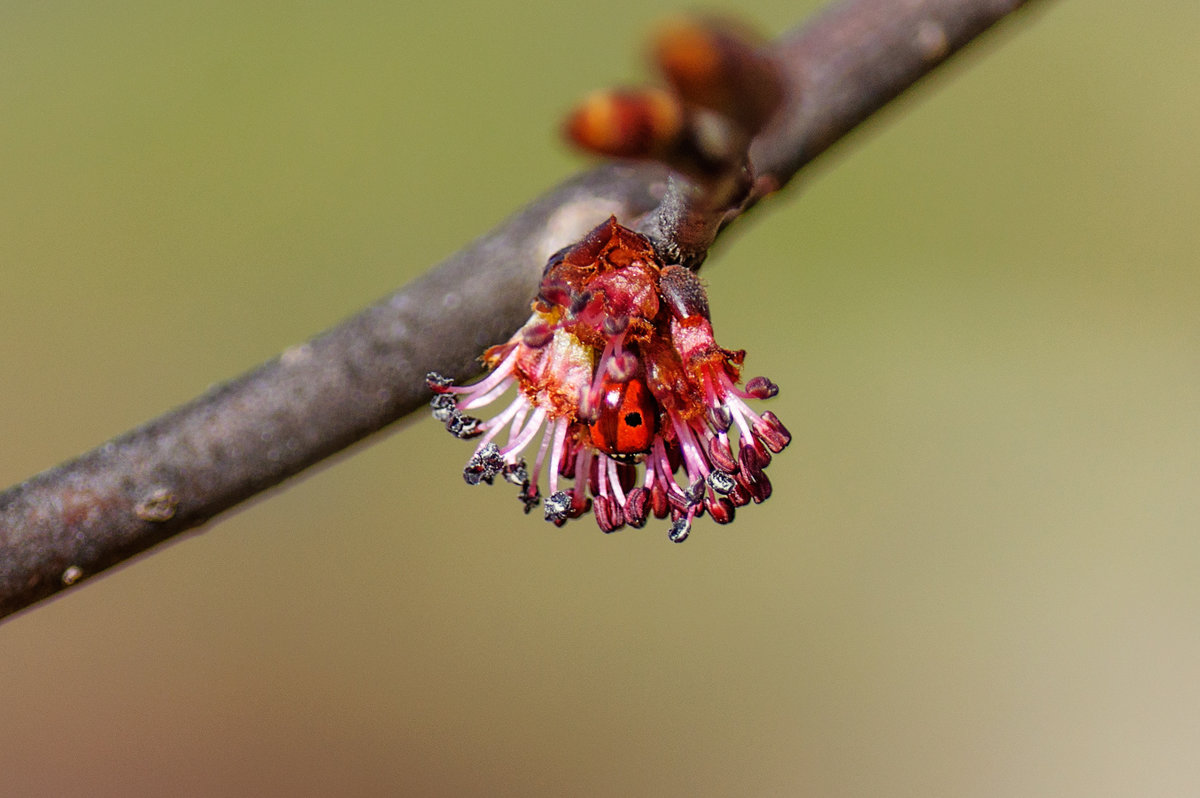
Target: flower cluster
pixel 623 391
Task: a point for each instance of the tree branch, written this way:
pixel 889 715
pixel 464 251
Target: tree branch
pixel 181 469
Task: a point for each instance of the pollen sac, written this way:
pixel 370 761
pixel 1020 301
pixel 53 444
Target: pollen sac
pixel 557 506
pixel 530 497
pixel 609 516
pixel 637 507
pixel 761 388
pixel 694 494
pixel 720 481
pixel 537 335
pixel 484 465
pixel 625 406
pixel 437 383
pixel 444 405
pixel 680 529
pixel 719 418
pixel 516 473
pixel 461 426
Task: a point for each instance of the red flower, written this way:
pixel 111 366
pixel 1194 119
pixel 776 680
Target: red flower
pixel 617 368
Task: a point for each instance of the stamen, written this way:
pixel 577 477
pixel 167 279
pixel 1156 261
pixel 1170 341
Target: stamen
pixel 488 397
pixel 692 453
pixel 557 506
pixel 614 480
pixel 537 335
pixel 720 481
pixel 520 441
pixel 680 529
pixel 499 374
pixel 761 388
pixel 560 434
pixel 498 423
pixel 444 406
pixel 541 455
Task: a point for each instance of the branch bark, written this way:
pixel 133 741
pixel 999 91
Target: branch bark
pixel 182 469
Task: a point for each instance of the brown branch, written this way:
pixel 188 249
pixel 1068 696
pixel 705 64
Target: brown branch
pixel 181 469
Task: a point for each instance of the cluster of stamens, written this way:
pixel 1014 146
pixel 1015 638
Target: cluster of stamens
pixel 624 393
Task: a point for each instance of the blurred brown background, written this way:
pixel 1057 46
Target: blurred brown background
pixel 977 575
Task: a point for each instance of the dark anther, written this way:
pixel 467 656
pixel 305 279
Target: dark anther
pixel 463 426
pixel 626 476
pixel 751 462
pixel 579 506
pixel 680 529
pixel 637 507
pixel 694 493
pixel 720 481
pixel 555 292
pixel 579 302
pixel 719 418
pixel 538 335
pixel 762 489
pixel 437 382
pixel 608 513
pixel 622 367
pixel 720 509
pixel 761 388
pixel 615 325
pixel 530 497
pixel 772 432
pixel 444 406
pixel 721 455
pixel 557 506
pixel 517 473
pixel 484 465
pixel 659 503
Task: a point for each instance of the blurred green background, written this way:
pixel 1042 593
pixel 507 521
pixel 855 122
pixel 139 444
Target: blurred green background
pixel 978 575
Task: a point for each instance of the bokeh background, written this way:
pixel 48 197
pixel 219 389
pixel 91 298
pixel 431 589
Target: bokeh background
pixel 979 574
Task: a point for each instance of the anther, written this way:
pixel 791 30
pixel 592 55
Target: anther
pixel 761 388
pixel 537 335
pixel 608 513
pixel 622 367
pixel 530 496
pixel 720 455
pixel 659 504
pixel 516 473
pixel 720 509
pixel 615 325
pixel 557 506
pixel 680 529
pixel 484 465
pixel 579 302
pixel 772 432
pixel 719 418
pixel 720 481
pixel 462 426
pixel 444 405
pixel 637 507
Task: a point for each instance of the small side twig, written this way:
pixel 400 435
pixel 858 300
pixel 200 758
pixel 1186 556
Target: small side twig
pixel 74 521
